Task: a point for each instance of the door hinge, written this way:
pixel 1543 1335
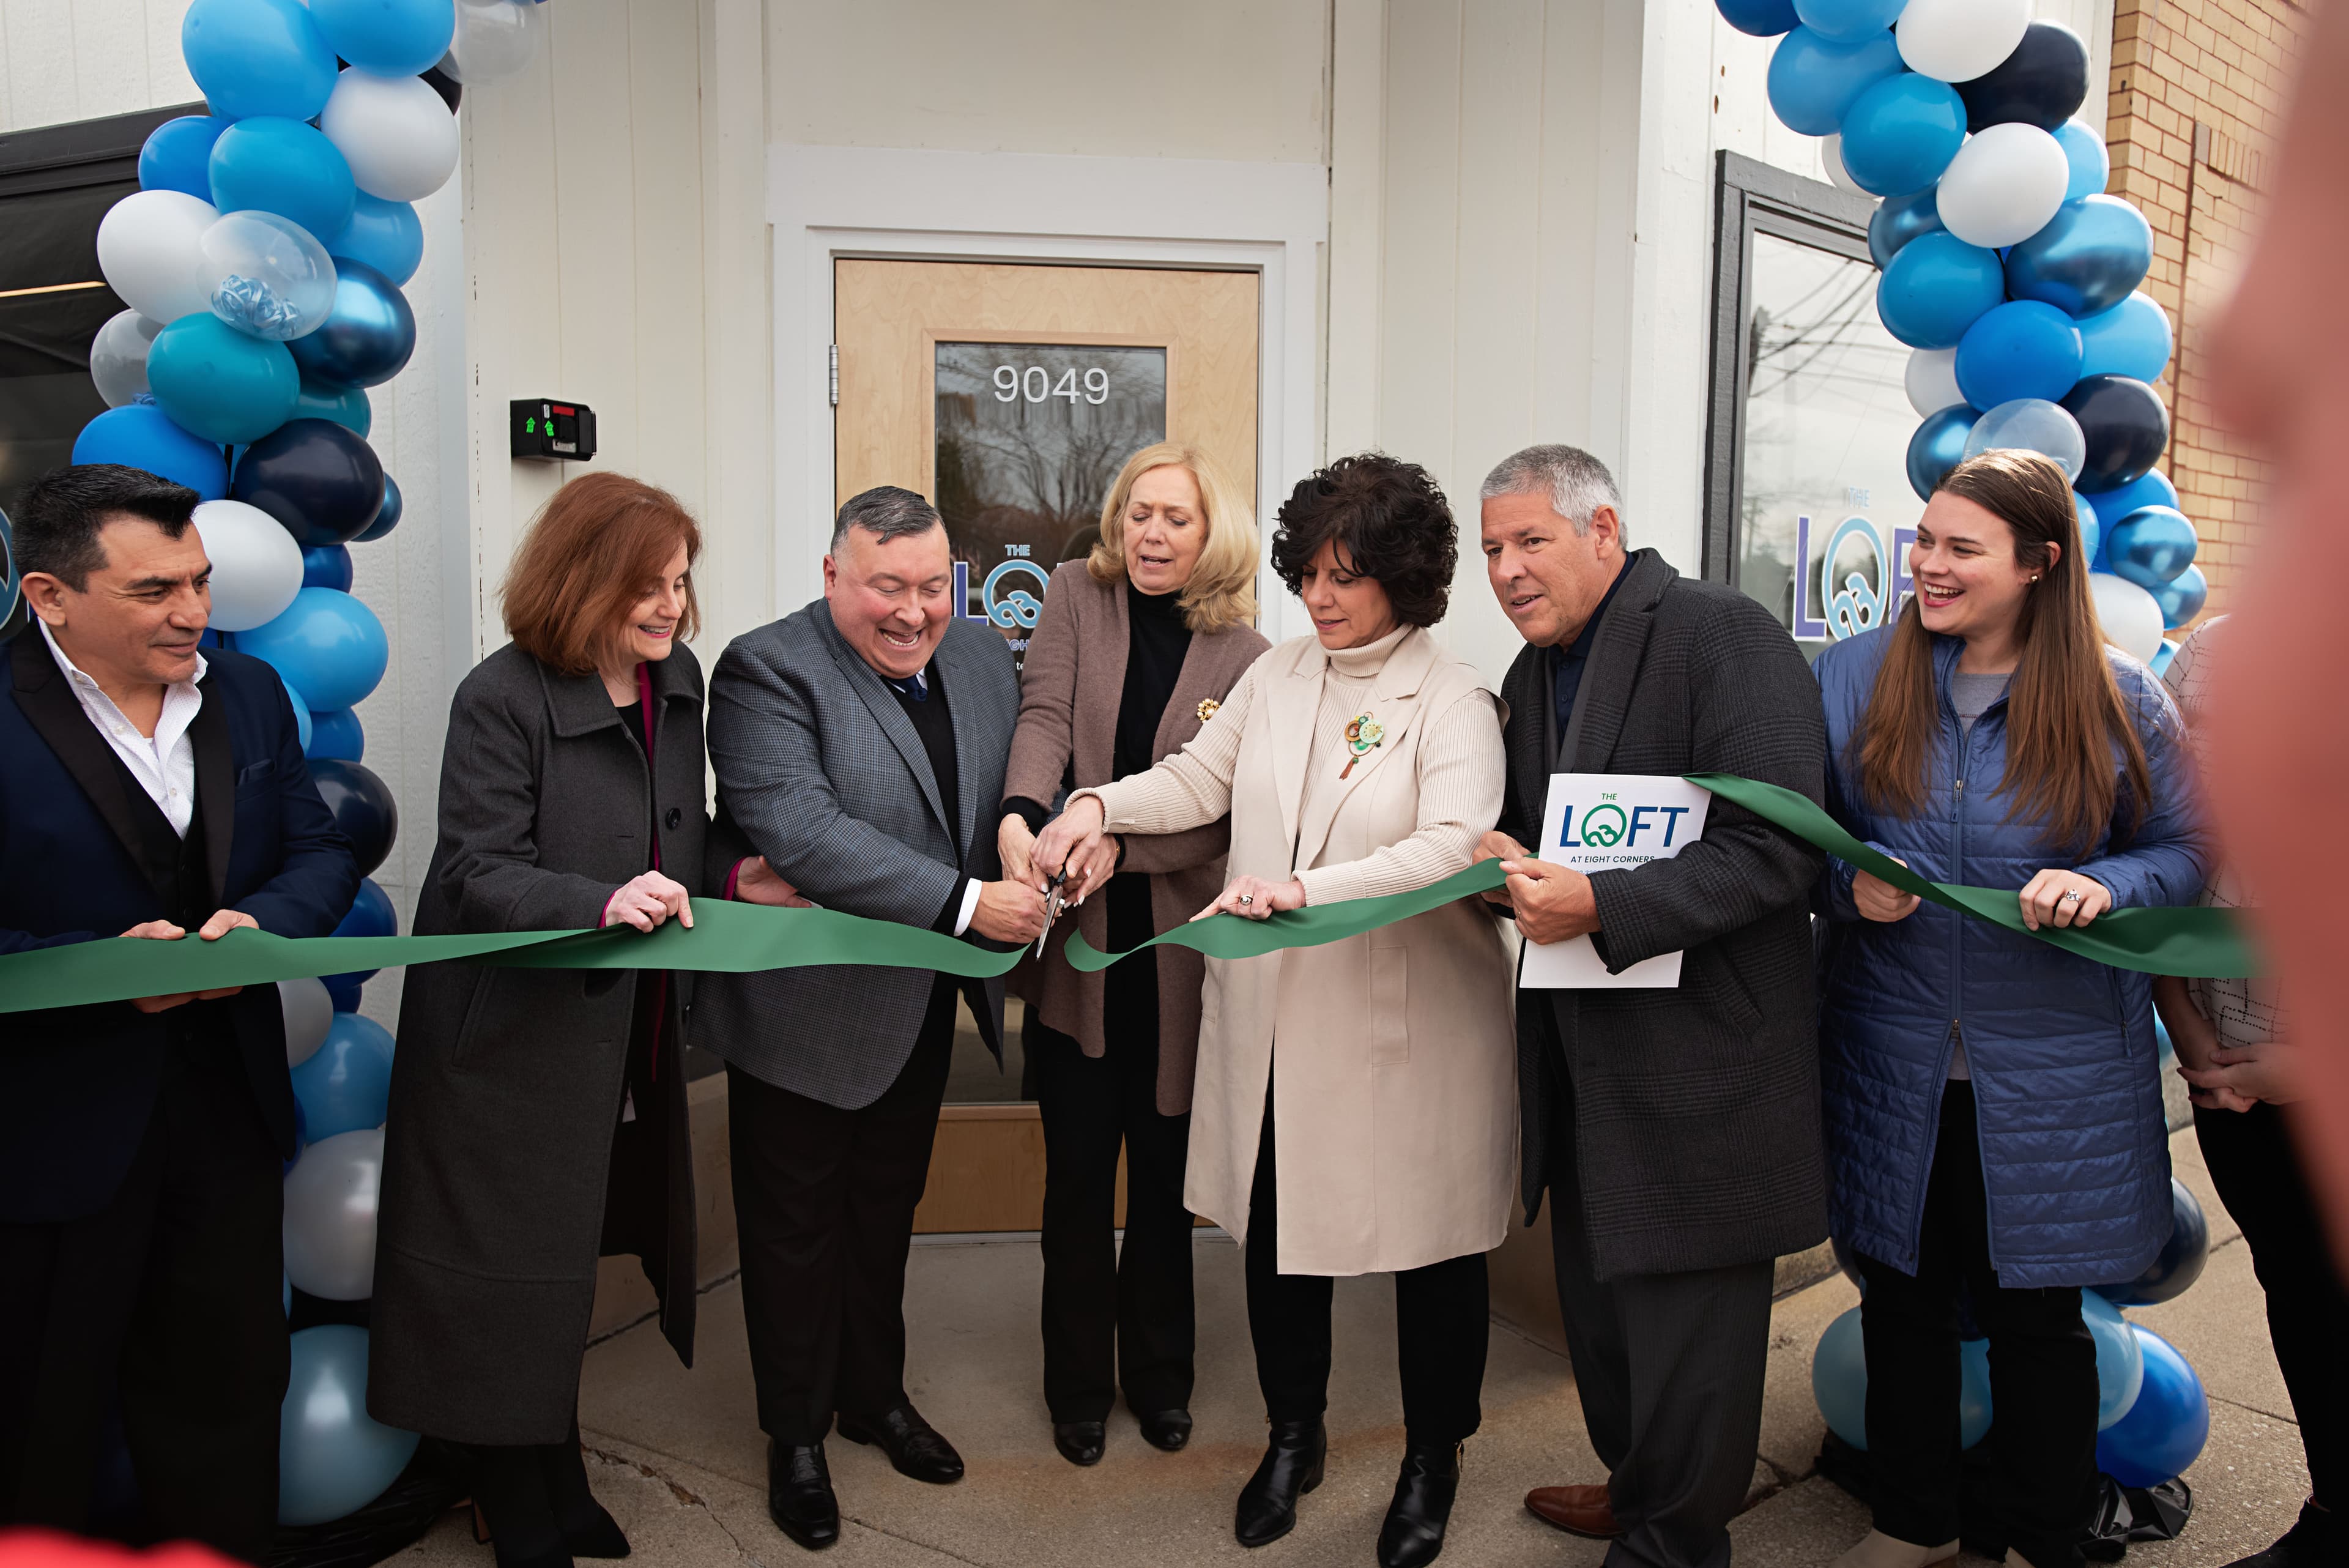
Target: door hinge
pixel 834 357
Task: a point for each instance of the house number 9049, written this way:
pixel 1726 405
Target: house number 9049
pixel 1036 384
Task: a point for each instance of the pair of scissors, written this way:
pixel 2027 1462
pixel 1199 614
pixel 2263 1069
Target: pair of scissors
pixel 1054 902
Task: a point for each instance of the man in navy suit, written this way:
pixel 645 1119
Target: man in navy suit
pixel 147 789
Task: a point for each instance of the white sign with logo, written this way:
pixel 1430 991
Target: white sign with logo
pixel 1606 822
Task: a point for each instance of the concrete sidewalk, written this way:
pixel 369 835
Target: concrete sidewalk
pixel 677 1457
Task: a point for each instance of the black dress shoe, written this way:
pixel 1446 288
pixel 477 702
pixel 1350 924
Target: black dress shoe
pixel 1079 1442
pixel 2316 1537
pixel 1167 1430
pixel 913 1445
pixel 799 1495
pixel 1291 1467
pixel 1413 1532
pixel 599 1537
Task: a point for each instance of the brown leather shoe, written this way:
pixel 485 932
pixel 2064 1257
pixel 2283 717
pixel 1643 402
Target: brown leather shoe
pixel 1581 1511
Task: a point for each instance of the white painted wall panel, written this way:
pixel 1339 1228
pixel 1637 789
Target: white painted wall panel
pixel 83 59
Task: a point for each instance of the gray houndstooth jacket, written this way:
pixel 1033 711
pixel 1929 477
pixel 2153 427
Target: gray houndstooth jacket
pixel 819 771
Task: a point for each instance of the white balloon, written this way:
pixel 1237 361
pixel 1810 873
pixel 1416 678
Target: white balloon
pixel 330 1209
pixel 395 132
pixel 148 247
pixel 256 565
pixel 1831 158
pixel 1932 381
pixel 2032 424
pixel 2004 185
pixel 2131 618
pixel 118 356
pixel 494 39
pixel 309 1010
pixel 1958 40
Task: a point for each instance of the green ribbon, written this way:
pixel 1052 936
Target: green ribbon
pixel 1237 937
pixel 2203 943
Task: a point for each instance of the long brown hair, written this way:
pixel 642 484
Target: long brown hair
pixel 2065 716
pixel 598 543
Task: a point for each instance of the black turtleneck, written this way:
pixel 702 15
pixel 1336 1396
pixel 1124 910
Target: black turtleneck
pixel 1157 638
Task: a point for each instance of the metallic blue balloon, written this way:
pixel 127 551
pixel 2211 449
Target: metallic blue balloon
pixel 347 406
pixel 2182 597
pixel 1899 219
pixel 2133 338
pixel 1815 80
pixel 387 516
pixel 2164 1429
pixel 2181 1259
pixel 1939 445
pixel 2091 166
pixel 1901 133
pixel 2126 426
pixel 327 566
pixel 337 735
pixel 346 1084
pixel 2019 349
pixel 1760 18
pixel 2151 546
pixel 178 155
pixel 283 166
pixel 1934 289
pixel 387 235
pixel 2149 489
pixel 366 338
pixel 2091 255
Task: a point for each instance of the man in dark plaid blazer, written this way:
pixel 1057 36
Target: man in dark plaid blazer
pixel 1677 1131
pixel 859 746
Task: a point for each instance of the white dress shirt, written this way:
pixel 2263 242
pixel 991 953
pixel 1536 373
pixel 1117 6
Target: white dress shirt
pixel 165 763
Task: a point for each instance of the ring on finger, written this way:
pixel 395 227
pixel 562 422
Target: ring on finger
pixel 2072 897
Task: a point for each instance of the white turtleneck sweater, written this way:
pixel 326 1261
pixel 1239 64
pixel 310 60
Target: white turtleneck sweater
pixel 1461 771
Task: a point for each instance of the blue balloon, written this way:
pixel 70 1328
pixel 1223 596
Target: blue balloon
pixel 1762 18
pixel 387 516
pixel 329 644
pixel 2019 349
pixel 1839 1380
pixel 2148 488
pixel 335 736
pixel 2091 255
pixel 178 155
pixel 370 915
pixel 2159 665
pixel 217 383
pixel 2083 150
pixel 283 166
pixel 346 1084
pixel 2119 1367
pixel 1899 219
pixel 1901 133
pixel 333 1458
pixel 302 726
pixel 390 38
pixel 2092 542
pixel 1849 21
pixel 140 435
pixel 346 405
pixel 1938 446
pixel 2188 1247
pixel 1934 289
pixel 2182 597
pixel 387 235
pixel 2151 546
pixel 327 566
pixel 1973 1392
pixel 2164 1431
pixel 1815 80
pixel 343 989
pixel 366 338
pixel 2133 338
pixel 257 57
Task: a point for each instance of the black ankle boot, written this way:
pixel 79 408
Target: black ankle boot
pixel 1413 1532
pixel 588 1530
pixel 509 1488
pixel 1291 1467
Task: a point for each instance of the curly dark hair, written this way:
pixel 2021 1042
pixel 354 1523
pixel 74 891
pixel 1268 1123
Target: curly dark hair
pixel 1390 521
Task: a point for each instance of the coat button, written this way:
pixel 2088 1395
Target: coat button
pixel 673 819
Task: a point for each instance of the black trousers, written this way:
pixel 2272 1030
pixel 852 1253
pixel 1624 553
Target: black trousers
pixel 2042 1374
pixel 1670 1371
pixel 825 1199
pixel 1442 1318
pixel 2259 1177
pixel 169 1295
pixel 1112 1315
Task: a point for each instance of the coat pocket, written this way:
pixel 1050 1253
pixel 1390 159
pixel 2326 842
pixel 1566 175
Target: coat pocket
pixel 476 1006
pixel 1390 1004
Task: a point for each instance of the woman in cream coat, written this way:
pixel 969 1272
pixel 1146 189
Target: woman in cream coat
pixel 1355 1108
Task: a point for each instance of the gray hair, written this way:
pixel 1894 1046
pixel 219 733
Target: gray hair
pixel 886 512
pixel 1578 483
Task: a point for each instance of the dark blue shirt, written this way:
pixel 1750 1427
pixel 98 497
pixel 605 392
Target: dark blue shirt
pixel 1566 663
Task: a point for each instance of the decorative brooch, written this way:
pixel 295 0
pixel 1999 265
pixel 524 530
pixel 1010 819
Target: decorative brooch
pixel 1208 709
pixel 1363 733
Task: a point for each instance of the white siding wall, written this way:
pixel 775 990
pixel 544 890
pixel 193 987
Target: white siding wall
pixel 64 61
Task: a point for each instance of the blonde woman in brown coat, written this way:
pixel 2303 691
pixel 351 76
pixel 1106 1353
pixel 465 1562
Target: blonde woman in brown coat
pixel 1136 649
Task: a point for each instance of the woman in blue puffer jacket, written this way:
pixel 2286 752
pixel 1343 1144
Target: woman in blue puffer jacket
pixel 1994 1106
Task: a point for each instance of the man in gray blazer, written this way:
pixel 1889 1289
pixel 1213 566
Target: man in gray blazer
pixel 1677 1131
pixel 859 746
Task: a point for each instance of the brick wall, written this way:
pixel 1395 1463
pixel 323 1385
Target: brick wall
pixel 2197 98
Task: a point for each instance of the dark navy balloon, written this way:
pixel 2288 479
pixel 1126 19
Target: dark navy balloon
pixel 1899 219
pixel 371 915
pixel 2043 83
pixel 1762 18
pixel 362 807
pixel 1938 446
pixel 367 337
pixel 2019 349
pixel 315 477
pixel 337 734
pixel 2182 597
pixel 2126 427
pixel 178 155
pixel 387 516
pixel 1937 288
pixel 2089 258
pixel 140 435
pixel 2151 546
pixel 327 566
pixel 343 989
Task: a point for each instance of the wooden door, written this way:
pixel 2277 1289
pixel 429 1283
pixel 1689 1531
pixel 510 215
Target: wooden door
pixel 1011 395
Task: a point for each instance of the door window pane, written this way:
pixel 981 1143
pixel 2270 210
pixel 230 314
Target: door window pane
pixel 1029 437
pixel 1826 432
